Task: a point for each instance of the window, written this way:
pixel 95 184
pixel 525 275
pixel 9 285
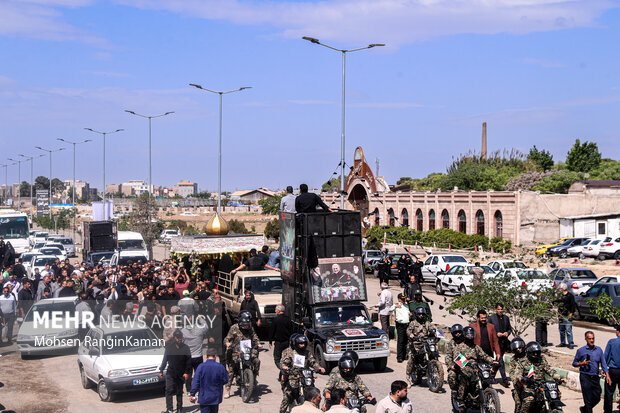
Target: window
pixel 405 216
pixel 431 219
pixel 480 222
pixel 377 217
pixel 602 228
pixel 462 222
pixel 419 220
pixel 445 219
pixel 499 224
pixel 391 215
pixel 435 260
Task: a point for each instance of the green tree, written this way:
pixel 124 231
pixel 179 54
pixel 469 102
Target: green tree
pixel 331 185
pixel 203 195
pixel 583 157
pixel 143 220
pixel 558 182
pixel 272 229
pixel 542 158
pixel 607 170
pixel 41 183
pixel 604 309
pixel 237 227
pixel 271 205
pixel 404 180
pixel 24 189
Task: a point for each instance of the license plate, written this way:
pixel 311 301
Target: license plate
pixel 147 380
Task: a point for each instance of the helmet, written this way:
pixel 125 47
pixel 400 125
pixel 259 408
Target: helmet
pixel 469 333
pixel 346 365
pixel 457 332
pixel 533 351
pixel 517 345
pixel 353 355
pixel 420 313
pixel 291 341
pixel 301 343
pixel 417 291
pixel 245 320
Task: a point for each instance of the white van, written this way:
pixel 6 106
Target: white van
pixel 132 241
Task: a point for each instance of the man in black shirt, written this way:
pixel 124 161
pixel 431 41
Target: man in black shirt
pixel 566 309
pixel 250 304
pixel 179 360
pixel 19 270
pixel 307 202
pixel 280 332
pixel 503 329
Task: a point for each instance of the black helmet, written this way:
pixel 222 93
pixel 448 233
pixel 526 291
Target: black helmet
pixel 346 365
pixel 291 340
pixel 469 333
pixel 245 320
pixel 301 343
pixel 457 332
pixel 420 312
pixel 517 345
pixel 353 355
pixel 533 351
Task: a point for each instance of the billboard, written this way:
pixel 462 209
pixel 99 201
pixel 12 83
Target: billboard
pixel 338 279
pixel 287 245
pixel 43 202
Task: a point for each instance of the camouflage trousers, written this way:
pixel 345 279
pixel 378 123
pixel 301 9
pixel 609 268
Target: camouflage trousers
pixel 417 354
pixel 452 379
pixel 516 395
pixel 288 397
pixel 463 379
pixel 528 400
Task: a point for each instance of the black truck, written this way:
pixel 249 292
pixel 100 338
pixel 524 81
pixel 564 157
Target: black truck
pixel 324 286
pixel 100 240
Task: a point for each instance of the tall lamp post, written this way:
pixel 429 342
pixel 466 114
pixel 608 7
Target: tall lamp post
pixel 19 181
pixel 6 181
pixel 149 118
pixel 105 209
pixel 73 189
pixel 342 135
pixel 31 158
pixel 50 152
pixel 219 159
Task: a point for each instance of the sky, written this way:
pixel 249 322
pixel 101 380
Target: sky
pixel 539 72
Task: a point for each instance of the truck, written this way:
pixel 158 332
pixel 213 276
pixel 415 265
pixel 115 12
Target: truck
pixel 324 286
pixel 100 239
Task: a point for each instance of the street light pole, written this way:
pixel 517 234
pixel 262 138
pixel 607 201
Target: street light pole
pixel 19 181
pixel 149 118
pixel 73 189
pixel 31 158
pixel 50 183
pixel 105 209
pixel 6 181
pixel 219 159
pixel 342 134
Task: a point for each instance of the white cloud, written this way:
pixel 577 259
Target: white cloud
pixel 392 21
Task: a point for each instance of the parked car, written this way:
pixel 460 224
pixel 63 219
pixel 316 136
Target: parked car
pixel 542 250
pixel 501 265
pixel 529 278
pixel 167 234
pixel 577 279
pixel 436 263
pixel 459 278
pixel 577 250
pixel 562 249
pixel 607 279
pixel 592 249
pixel 39 237
pixel 188 214
pixel 581 301
pixel 610 249
pixel 370 258
pixel 131 364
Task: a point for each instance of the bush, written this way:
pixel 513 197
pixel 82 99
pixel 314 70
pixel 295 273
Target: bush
pixel 272 229
pixel 237 227
pixel 499 244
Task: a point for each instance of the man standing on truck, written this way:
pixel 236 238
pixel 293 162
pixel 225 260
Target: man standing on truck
pixel 254 263
pixel 307 201
pixel 299 358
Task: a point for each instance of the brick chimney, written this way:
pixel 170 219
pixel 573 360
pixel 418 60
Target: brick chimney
pixel 483 152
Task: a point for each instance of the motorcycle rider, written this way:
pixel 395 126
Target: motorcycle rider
pixel 238 332
pixel 344 377
pixel 468 351
pixel 517 363
pixel 451 353
pixel 536 368
pixel 419 329
pixel 287 364
pixel 417 301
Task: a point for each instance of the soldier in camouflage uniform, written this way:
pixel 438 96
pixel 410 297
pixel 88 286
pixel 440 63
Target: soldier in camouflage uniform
pixel 418 330
pixel 344 377
pixel 516 365
pixel 470 351
pixel 290 383
pixel 536 368
pixel 417 301
pixel 238 332
pixel 457 338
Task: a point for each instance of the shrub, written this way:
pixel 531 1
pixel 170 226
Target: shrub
pixel 272 229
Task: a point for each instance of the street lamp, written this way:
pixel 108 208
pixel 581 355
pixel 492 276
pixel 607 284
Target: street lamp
pixel 19 181
pixel 31 158
pixel 149 118
pixel 6 181
pixel 219 159
pixel 105 210
pixel 73 195
pixel 50 152
pixel 342 139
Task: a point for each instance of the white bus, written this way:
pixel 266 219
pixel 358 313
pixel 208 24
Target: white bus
pixel 14 228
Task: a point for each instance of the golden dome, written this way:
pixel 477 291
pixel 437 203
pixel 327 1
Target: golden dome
pixel 217 225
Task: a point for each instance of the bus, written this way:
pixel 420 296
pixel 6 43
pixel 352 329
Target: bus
pixel 14 228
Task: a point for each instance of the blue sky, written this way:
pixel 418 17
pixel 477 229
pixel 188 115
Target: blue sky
pixel 538 72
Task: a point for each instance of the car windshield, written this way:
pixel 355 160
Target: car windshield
pixel 40 262
pixel 374 254
pixel 50 251
pixel 56 245
pixel 514 264
pixel 580 274
pixel 596 242
pixel 131 260
pixel 586 242
pixel 131 244
pixel 26 258
pixel 486 268
pixel 532 275
pixel 39 245
pixel 342 315
pixel 42 307
pixel 65 241
pixel 264 285
pixel 101 256
pixel 41 235
pixel 130 341
pixel 13 227
pixel 454 258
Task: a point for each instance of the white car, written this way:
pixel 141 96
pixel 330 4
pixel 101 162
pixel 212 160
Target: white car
pixel 40 340
pixel 66 242
pixel 26 259
pixel 577 250
pixel 592 249
pixel 610 249
pixel 529 278
pixel 440 263
pixel 131 364
pixel 40 237
pixel 501 265
pixel 188 214
pixel 39 261
pixel 53 250
pixel 36 246
pixel 459 278
pixel 167 234
pixel 126 257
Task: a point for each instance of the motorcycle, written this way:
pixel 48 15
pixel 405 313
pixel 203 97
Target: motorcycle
pixel 306 379
pixel 357 405
pixel 244 373
pixel 547 395
pixel 479 394
pixel 429 366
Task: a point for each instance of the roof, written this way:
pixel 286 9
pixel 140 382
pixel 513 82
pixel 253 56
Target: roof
pixel 602 215
pixel 186 183
pixel 249 191
pixel 601 183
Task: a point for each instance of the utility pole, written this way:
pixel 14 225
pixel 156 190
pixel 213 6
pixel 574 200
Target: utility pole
pixel 377 162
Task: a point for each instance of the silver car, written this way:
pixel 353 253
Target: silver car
pixel 577 279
